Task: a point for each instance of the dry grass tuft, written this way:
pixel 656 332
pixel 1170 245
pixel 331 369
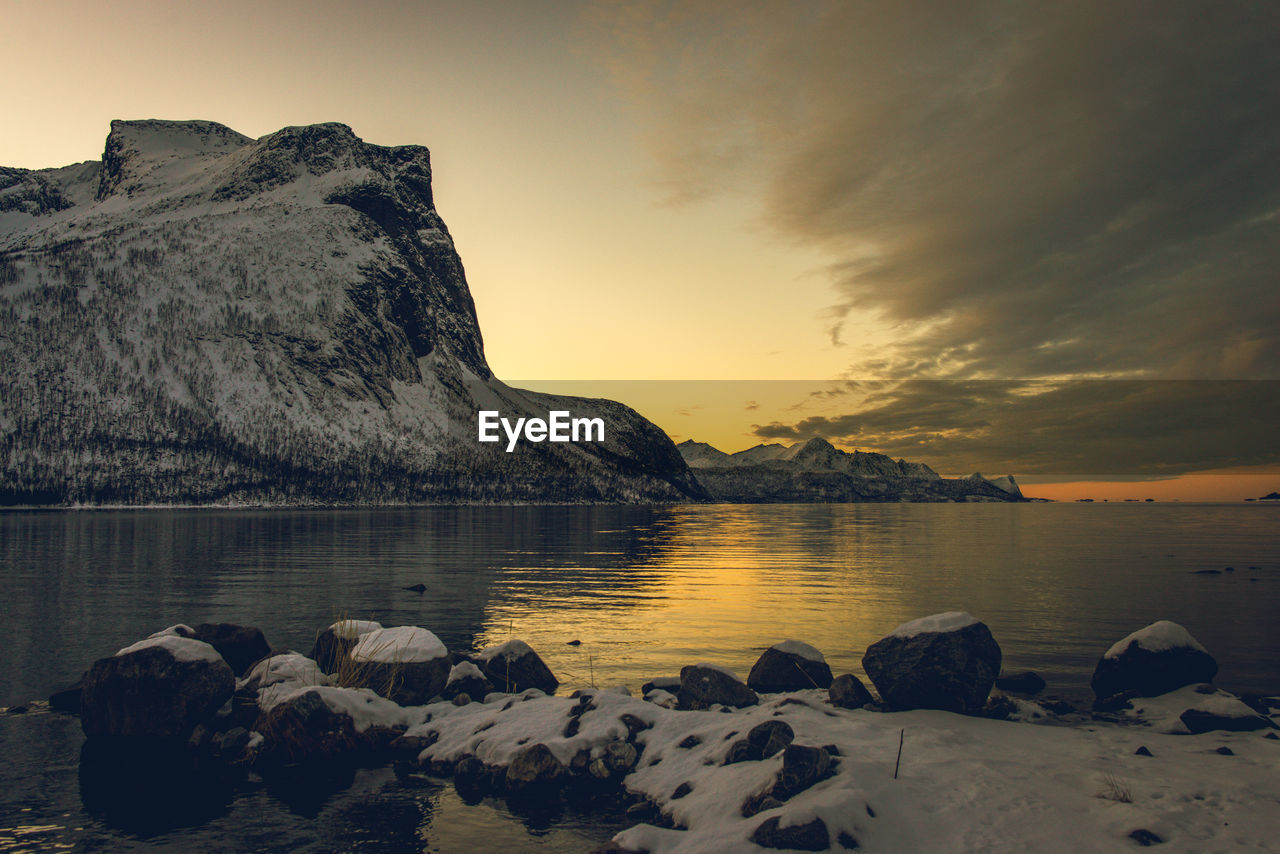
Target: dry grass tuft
pixel 1115 789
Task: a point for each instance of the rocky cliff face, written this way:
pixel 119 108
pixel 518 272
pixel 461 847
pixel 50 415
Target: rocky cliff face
pixel 205 317
pixel 817 471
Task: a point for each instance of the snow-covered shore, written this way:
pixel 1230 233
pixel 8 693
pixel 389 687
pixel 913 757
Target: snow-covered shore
pixel 964 783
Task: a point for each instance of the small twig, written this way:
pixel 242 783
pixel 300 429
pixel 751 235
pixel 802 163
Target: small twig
pixel 901 735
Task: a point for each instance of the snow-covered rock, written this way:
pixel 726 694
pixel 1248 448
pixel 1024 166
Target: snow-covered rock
pixel 465 678
pixel 1153 660
pixel 514 666
pixel 408 664
pixel 789 666
pixel 159 689
pixel 705 685
pixel 323 722
pixel 944 661
pixel 335 643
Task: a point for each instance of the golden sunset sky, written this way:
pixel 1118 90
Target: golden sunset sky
pixel 784 195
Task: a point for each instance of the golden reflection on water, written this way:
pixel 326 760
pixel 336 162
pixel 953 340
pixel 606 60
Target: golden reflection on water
pixel 1056 584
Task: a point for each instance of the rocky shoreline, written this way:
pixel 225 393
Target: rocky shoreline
pixel 793 758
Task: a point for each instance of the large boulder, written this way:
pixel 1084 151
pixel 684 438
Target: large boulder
pixel 789 666
pixel 513 667
pixel 534 766
pixel 406 664
pixel 240 646
pixel 944 661
pixel 334 643
pixel 705 685
pixel 157 689
pixel 848 692
pixel 1153 661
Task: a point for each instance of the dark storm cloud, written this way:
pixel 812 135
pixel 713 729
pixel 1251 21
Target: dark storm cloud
pixel 1085 427
pixel 1025 189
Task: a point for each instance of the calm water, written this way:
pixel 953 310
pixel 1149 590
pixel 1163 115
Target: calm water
pixel 646 590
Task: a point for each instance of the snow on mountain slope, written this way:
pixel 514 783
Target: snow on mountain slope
pixel 205 317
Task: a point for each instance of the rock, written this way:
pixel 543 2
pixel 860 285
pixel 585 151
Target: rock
pixel 633 724
pixel 334 643
pixel 465 678
pixel 689 742
pixel 789 666
pixel 240 646
pixel 305 727
pixel 1225 751
pixel 406 664
pixel 1142 751
pixel 848 692
pixel 704 685
pixel 513 667
pixel 1272 736
pixel 470 775
pixel 1201 720
pixel 847 841
pixel 159 689
pixel 67 699
pixel 764 740
pixel 1025 682
pixel 802 766
pixel 681 791
pixel 812 836
pixel 620 756
pixel 1116 702
pixel 999 708
pixel 662 683
pixel 946 661
pixel 1145 837
pixel 535 765
pixel 416 588
pixel 1152 661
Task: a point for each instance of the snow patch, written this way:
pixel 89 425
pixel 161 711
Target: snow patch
pixel 353 629
pixel 948 622
pixel 363 706
pixel 800 648
pixel 1158 637
pixel 507 651
pixel 463 670
pixel 183 649
pixel 402 644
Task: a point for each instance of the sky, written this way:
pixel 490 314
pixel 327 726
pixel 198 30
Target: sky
pixel 1029 238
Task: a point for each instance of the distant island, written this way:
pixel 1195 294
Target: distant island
pixel 816 471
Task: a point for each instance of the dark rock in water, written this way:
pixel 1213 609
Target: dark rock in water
pixel 789 666
pixel 1142 751
pixel 535 765
pixel 156 689
pixel 1145 837
pixel 574 642
pixel 513 667
pixel 764 740
pixel 470 776
pixel 802 766
pixel 663 683
pixel 1026 682
pixel 848 692
pixel 1153 661
pixel 240 646
pixel 947 661
pixel 812 836
pixel 1207 572
pixel 1198 721
pixel 1225 751
pixel 408 683
pixel 704 685
pixel 416 588
pixel 67 699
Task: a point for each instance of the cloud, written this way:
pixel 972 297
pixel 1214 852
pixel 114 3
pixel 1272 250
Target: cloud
pixel 1085 427
pixel 1019 190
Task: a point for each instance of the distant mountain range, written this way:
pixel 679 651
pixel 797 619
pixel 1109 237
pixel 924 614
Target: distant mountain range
pixel 816 471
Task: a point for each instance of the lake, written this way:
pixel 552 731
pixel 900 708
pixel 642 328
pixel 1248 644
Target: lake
pixel 645 590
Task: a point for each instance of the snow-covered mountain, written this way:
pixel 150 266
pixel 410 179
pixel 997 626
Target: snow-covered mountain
pixel 205 317
pixel 818 471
